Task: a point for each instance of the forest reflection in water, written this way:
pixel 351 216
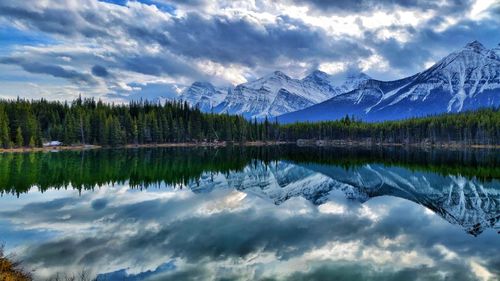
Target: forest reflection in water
pixel 250 213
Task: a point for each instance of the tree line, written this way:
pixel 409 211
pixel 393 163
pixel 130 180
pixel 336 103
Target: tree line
pixel 25 123
pixel 481 126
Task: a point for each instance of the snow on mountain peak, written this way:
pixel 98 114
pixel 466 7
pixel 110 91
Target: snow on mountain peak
pixel 475 46
pixel 496 50
pixel 318 74
pixel 199 84
pixel 270 81
pixel 319 79
pixel 466 79
pixel 278 93
pixel 463 76
pixel 353 80
pixel 278 73
pixel 357 76
pixel 203 95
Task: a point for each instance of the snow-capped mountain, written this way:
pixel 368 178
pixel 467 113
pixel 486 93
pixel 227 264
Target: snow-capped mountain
pixel 203 95
pixel 271 95
pixel 466 79
pixel 472 204
pixel 497 50
pixel 323 82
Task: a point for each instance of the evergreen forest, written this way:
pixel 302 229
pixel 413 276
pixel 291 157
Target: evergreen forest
pixel 30 123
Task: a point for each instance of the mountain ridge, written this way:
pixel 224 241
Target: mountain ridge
pixel 271 95
pixel 465 79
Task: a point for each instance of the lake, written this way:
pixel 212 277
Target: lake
pixel 254 213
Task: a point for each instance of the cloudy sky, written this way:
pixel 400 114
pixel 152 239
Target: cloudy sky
pixel 58 49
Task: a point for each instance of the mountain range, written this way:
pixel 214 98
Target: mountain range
pixel 271 95
pixel 466 79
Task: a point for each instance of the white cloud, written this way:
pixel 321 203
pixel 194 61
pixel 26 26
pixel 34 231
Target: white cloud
pixel 248 39
pixel 480 8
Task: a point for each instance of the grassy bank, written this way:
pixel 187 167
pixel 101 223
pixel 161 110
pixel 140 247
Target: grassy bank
pixel 11 270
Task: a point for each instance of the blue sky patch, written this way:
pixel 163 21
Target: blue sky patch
pixel 11 36
pixel 161 6
pixel 122 275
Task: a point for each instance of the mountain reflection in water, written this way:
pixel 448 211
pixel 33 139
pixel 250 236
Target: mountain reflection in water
pixel 174 214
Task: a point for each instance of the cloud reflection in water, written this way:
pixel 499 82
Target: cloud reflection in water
pixel 227 233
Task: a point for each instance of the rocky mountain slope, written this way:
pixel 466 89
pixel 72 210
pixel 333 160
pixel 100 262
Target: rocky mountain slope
pixel 204 95
pixel 271 95
pixel 466 79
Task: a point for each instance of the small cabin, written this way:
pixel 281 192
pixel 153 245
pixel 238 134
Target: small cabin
pixel 53 143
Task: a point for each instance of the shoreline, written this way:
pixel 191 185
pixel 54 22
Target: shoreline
pixel 205 144
pixel 350 143
pixel 299 143
pixel 48 148
pixel 127 146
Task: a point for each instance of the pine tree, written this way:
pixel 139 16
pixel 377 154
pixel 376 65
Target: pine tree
pixel 19 137
pixel 32 142
pixel 135 132
pixel 5 141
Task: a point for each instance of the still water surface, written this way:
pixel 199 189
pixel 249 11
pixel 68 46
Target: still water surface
pixel 261 213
